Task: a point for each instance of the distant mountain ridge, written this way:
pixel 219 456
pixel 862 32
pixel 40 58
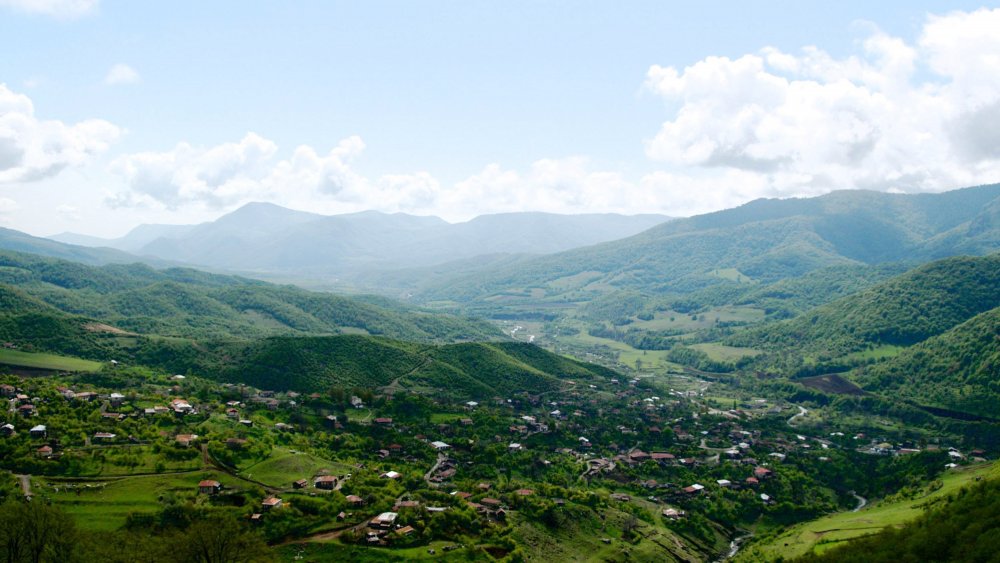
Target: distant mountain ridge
pixel 765 240
pixel 262 237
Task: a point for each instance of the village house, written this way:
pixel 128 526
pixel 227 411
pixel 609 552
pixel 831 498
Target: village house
pixel 355 500
pixel 39 431
pixel 694 489
pixel 300 484
pixel 44 452
pixel 327 482
pixel 384 521
pixel 270 503
pixel 7 390
pixel 181 407
pixel 104 437
pixel 185 439
pixel 391 475
pixel 673 514
pixel 209 487
pixel 26 410
pixel 762 473
pixel 383 421
pixel 7 430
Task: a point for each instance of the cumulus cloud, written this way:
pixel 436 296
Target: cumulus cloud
pixel 219 175
pixel 54 8
pixel 32 149
pixel 897 115
pixel 230 174
pixel 121 74
pixel 901 116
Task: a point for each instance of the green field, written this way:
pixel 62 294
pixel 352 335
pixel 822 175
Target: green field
pixel 46 361
pixel 103 504
pixel 877 353
pixel 722 353
pixel 673 320
pixel 651 359
pixel 286 466
pixel 829 531
pixel 336 551
pixel 732 274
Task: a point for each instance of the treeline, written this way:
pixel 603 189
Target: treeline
pixel 39 533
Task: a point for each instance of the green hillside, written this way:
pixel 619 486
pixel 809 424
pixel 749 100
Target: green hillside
pixel 962 527
pixel 192 304
pixel 958 370
pixel 316 363
pixel 765 241
pixel 907 309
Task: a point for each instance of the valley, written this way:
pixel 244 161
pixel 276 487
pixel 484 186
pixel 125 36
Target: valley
pixel 753 385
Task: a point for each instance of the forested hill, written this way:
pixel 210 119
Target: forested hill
pixel 187 303
pixel 902 311
pixel 958 370
pixel 765 240
pixel 479 370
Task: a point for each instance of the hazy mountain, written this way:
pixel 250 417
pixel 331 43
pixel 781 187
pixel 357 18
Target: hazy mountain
pixel 765 240
pixel 266 238
pixel 23 242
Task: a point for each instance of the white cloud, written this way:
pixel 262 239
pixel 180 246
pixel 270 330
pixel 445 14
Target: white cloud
pixel 912 117
pixel 32 149
pixel 121 74
pixel 56 8
pixel 231 174
pixel 218 176
pixel 8 205
pixel 895 116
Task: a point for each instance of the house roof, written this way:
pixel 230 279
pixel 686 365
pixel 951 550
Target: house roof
pixel 209 483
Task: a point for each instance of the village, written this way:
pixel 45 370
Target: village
pixel 388 470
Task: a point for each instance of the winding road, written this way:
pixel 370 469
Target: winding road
pixel 802 412
pixel 862 501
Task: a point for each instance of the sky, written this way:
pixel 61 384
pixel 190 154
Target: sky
pixel 116 113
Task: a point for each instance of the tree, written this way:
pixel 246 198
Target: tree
pixel 36 532
pixel 220 538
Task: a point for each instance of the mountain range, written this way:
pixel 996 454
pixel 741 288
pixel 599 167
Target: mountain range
pixel 763 241
pixel 266 238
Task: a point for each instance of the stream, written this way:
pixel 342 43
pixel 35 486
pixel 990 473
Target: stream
pixel 734 547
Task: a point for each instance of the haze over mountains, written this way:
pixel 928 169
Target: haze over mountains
pixel 266 238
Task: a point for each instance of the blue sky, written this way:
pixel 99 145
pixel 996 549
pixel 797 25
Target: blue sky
pixel 178 112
